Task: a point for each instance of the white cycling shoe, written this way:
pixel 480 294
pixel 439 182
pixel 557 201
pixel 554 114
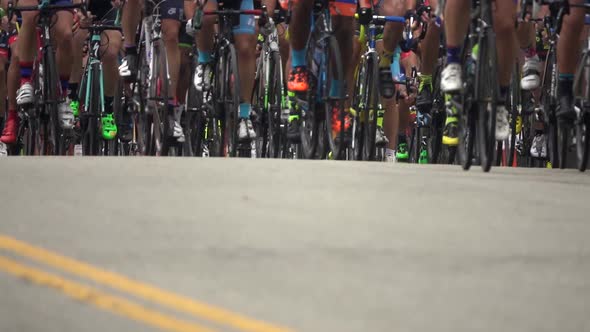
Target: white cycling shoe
pixel 65 115
pixel 25 94
pixel 246 130
pixel 502 125
pixel 451 78
pixel 531 78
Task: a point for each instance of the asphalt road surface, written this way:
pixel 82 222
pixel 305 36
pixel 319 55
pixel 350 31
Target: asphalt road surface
pixel 146 244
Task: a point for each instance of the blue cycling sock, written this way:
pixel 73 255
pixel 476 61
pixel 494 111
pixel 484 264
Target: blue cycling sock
pixel 205 57
pixel 336 88
pixel 453 54
pixel 298 58
pixel 244 111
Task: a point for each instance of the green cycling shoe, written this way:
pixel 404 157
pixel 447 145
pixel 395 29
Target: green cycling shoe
pixel 109 127
pixel 75 106
pixel 402 154
pixel 423 159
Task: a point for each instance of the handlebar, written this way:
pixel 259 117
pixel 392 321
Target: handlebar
pixel 100 28
pixel 45 7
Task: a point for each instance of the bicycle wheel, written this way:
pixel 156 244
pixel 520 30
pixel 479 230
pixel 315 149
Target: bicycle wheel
pixel 275 106
pixel 50 98
pixel 160 80
pixel 331 71
pixel 307 103
pixel 230 98
pixel 486 87
pixel 563 141
pixel 91 140
pixel 549 104
pixel 582 124
pixel 467 127
pixel 371 108
pixel 516 102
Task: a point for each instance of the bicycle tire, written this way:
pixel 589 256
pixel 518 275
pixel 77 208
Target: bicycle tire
pixel 230 98
pixel 549 104
pixel 358 104
pixel 50 99
pixel 370 113
pixel 516 102
pixel 336 143
pixel 486 87
pixel 311 115
pixel 563 139
pixel 159 85
pixel 275 141
pixel 583 122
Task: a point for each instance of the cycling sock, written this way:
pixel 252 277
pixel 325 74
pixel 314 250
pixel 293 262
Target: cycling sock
pixel 401 139
pixel 566 85
pixel 386 58
pixel 503 94
pixel 12 114
pixel 425 80
pixel 244 111
pixel 26 70
pixel 298 58
pixel 205 57
pixel 108 104
pixel 73 91
pixel 336 88
pixel 395 65
pixel 65 84
pixel 130 49
pixel 453 54
pixel 389 152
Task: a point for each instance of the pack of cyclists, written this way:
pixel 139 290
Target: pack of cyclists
pixel 437 57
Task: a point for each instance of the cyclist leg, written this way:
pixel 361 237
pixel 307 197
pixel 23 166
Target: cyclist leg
pixel 568 53
pixel 408 61
pixel 392 34
pixel 27 47
pixel 9 132
pixel 61 32
pixel 505 29
pixel 205 41
pixel 185 42
pixel 78 41
pixel 111 44
pixel 130 21
pixel 456 25
pixel 4 60
pixel 429 48
pixel 343 23
pixel 299 29
pixel 531 78
pixel 245 42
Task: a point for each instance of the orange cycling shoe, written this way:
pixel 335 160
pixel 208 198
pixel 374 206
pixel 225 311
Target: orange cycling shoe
pixel 298 79
pixel 336 122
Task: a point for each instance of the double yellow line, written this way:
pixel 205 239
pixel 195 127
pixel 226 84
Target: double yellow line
pixel 119 305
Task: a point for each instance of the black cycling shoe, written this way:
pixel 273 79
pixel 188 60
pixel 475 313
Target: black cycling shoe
pixel 293 131
pixel 125 132
pixel 424 99
pixel 128 67
pixel 565 109
pixel 386 86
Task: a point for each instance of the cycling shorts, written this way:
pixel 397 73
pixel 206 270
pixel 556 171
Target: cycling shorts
pixel 60 2
pixel 172 9
pixel 245 24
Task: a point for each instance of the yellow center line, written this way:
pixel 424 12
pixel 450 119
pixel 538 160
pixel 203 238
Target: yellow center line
pixel 137 288
pixel 99 299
